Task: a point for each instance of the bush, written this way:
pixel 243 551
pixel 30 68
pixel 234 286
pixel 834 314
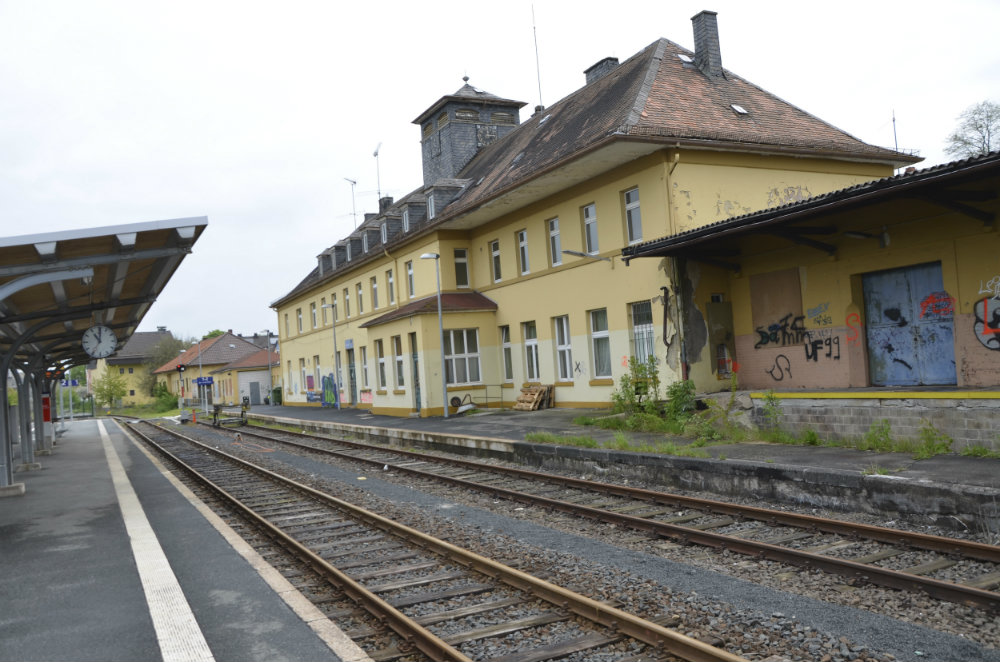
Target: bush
pixel 165 400
pixel 680 401
pixel 638 389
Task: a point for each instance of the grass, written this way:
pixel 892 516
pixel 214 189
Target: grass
pixel 144 411
pixel 560 440
pixel 874 469
pixel 979 450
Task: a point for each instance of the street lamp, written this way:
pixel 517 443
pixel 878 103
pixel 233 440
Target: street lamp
pixel 444 378
pixel 336 359
pixel 270 382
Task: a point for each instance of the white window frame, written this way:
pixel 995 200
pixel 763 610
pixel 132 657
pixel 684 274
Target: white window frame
pixel 364 242
pixel 643 332
pixel 600 336
pixel 391 287
pixel 317 377
pixel 302 375
pixel 364 367
pixel 495 259
pixel 430 207
pixel 348 251
pixel 322 307
pixel 460 359
pixel 633 216
pixel 406 220
pixel 590 236
pixel 374 286
pixel 564 350
pixel 506 354
pixel 312 313
pixel 347 303
pixel 410 287
pixel 333 302
pixel 380 358
pixel 397 357
pixel 298 315
pixel 532 372
pixel 288 329
pixel 522 252
pixel 555 245
pixel 361 303
pixel 383 233
pixel 461 267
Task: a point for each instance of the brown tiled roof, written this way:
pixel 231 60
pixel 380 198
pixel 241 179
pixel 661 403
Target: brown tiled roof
pixel 451 302
pixel 139 346
pixel 213 351
pixel 251 361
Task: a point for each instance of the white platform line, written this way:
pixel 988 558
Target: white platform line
pixel 177 632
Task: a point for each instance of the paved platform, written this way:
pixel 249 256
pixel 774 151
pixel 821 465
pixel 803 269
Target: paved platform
pixel 513 425
pixel 103 558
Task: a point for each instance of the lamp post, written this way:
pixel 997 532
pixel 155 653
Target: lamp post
pixel 444 378
pixel 270 379
pixel 336 362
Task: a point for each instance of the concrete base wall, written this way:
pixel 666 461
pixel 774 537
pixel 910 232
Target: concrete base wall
pixel 967 422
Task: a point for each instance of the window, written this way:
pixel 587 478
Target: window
pixel 442 119
pixel 121 371
pixel 503 118
pixel 302 374
pixel 642 330
pixel 383 233
pixel 564 353
pixel 495 253
pixel 600 343
pixel 555 248
pixel 409 279
pixel 347 302
pixel 508 359
pixel 287 328
pixel 322 307
pixel 467 115
pixel 430 207
pixel 406 220
pixel 364 242
pixel 340 377
pixel 298 314
pixel 380 357
pixel 522 251
pixel 348 250
pixel 633 219
pixel 312 313
pixel 131 392
pixel 364 367
pixel 316 376
pixel 590 228
pixel 333 301
pixel 361 303
pixel 530 350
pixel 397 355
pixel 289 377
pixel 131 370
pixel 374 284
pixel 391 286
pixel 461 267
pixel 461 356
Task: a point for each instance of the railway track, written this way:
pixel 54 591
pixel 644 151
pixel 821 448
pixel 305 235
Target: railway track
pixel 954 570
pixel 426 590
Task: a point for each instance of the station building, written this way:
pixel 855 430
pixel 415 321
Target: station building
pixel 130 362
pixel 197 383
pixel 526 222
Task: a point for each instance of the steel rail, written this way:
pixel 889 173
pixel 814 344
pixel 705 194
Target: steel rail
pixel 967 548
pixel 942 590
pixel 648 632
pixel 426 641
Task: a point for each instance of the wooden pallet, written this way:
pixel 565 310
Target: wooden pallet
pixel 535 397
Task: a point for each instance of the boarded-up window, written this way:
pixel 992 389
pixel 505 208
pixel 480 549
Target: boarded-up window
pixel 466 115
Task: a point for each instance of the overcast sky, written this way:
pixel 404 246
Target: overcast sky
pixel 253 113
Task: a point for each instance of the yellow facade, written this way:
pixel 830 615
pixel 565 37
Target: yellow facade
pixel 676 190
pixel 133 373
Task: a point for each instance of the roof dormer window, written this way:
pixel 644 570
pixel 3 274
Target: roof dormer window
pixel 364 242
pixel 406 220
pixel 348 251
pixel 430 207
pixel 383 232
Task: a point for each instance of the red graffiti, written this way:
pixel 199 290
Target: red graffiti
pixel 854 334
pixel 937 303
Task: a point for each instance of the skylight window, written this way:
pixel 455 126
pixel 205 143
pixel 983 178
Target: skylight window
pixel 740 110
pixel 686 59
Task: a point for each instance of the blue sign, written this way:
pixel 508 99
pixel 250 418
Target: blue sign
pixel 349 343
pixel 203 381
pixel 70 382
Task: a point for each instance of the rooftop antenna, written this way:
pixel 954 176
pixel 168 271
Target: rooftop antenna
pixel 894 138
pixel 538 68
pixel 378 176
pixel 354 209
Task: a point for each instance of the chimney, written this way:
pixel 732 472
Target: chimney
pixel 706 43
pixel 601 69
pixel 384 204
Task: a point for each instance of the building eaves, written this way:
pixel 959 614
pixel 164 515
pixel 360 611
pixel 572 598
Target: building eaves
pixel 451 302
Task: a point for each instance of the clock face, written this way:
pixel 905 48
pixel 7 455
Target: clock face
pixel 99 341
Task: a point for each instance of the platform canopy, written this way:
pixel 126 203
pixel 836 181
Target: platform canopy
pixel 56 285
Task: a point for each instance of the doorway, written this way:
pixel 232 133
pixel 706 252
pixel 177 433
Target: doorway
pixel 416 371
pixel 910 327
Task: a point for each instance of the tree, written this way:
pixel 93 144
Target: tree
pixel 212 334
pixel 978 131
pixel 168 348
pixel 110 387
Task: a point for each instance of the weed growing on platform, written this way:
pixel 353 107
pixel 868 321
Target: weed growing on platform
pixel 810 438
pixel 549 438
pixel 639 388
pixel 874 469
pixel 978 450
pixel 932 442
pixel 878 437
pixel 584 420
pixel 772 415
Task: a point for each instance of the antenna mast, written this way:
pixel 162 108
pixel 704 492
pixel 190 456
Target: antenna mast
pixel 894 138
pixel 538 68
pixel 354 209
pixel 378 176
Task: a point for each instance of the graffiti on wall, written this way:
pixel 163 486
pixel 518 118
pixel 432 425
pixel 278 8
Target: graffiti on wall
pixel 782 366
pixel 820 315
pixel 937 304
pixel 789 330
pixel 987 324
pixel 853 322
pixel 992 287
pixel 814 348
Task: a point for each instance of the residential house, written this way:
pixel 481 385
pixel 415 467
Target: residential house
pixel 131 363
pixel 251 377
pixel 196 382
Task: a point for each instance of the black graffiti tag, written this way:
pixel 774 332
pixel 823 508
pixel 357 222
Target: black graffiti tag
pixel 789 330
pixel 777 372
pixel 813 348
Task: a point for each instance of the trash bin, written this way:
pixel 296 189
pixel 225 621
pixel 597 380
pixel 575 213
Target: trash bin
pixel 276 396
